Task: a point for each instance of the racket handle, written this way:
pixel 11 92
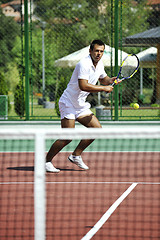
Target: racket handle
pixel 114 83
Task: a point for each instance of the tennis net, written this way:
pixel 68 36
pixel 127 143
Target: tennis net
pixel 117 198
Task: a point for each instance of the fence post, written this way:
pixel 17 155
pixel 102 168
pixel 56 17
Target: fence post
pixel 116 57
pixel 26 33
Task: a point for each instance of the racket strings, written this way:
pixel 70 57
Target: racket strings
pixel 129 66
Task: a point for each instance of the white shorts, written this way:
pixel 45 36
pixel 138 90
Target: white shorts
pixel 70 112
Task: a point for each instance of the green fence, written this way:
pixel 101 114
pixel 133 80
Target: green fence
pixel 36 35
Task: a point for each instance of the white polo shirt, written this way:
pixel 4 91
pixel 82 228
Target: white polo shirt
pixel 83 70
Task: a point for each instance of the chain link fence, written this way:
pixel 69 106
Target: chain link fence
pixel 59 29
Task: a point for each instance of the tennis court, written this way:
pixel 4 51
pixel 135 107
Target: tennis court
pixel 117 198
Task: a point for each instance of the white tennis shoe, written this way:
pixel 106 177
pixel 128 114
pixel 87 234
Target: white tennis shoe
pixel 78 161
pixel 51 168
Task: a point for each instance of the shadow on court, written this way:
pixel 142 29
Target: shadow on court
pixel 22 168
pixel 31 169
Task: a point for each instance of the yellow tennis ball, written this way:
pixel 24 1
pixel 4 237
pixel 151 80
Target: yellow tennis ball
pixel 136 106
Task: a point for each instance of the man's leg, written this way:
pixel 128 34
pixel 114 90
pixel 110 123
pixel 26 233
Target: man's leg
pixel 91 122
pixel 75 157
pixel 58 145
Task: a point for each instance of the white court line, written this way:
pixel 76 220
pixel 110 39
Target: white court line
pixel 152 183
pixel 102 182
pixel 8 183
pixel 108 213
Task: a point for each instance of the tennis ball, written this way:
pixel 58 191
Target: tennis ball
pixel 136 106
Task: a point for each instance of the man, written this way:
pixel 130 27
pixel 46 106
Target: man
pixel 73 105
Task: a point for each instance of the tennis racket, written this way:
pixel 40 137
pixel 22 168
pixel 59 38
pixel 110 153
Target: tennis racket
pixel 129 67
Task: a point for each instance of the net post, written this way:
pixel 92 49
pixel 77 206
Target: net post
pixel 39 188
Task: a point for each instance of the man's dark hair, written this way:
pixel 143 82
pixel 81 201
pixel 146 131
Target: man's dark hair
pixel 98 42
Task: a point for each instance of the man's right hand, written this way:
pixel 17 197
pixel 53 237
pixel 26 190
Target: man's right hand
pixel 108 89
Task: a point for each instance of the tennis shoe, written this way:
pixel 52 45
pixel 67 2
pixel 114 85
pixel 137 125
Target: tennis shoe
pixel 51 168
pixel 78 161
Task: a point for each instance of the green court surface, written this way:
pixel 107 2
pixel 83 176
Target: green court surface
pixel 99 145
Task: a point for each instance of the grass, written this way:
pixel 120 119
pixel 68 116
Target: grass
pixel 38 112
pixel 41 113
pixel 145 114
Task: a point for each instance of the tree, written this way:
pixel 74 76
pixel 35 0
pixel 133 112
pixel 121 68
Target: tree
pixel 3 85
pixel 19 102
pixel 134 17
pixel 61 85
pixel 76 23
pixel 8 32
pixel 73 24
pixel 12 76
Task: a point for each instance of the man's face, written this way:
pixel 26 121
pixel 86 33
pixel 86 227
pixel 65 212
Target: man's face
pixel 96 53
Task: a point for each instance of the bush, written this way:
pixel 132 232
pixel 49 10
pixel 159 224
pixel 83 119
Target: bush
pixel 57 106
pixel 61 86
pixel 19 101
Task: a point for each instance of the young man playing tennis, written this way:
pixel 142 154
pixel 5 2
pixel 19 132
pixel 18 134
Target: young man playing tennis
pixel 73 105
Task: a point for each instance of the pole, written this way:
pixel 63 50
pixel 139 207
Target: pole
pixel 141 81
pixel 158 75
pixel 43 63
pixel 116 57
pixel 26 32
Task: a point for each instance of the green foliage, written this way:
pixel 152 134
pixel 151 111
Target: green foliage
pixel 9 29
pixel 136 16
pixel 17 54
pixel 61 86
pixel 19 101
pixel 3 85
pixel 57 106
pixel 70 26
pixel 12 76
pixel 134 20
pixel 132 104
pixel 155 105
pixel 50 56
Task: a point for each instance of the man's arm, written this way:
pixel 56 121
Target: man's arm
pixel 107 80
pixel 87 87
